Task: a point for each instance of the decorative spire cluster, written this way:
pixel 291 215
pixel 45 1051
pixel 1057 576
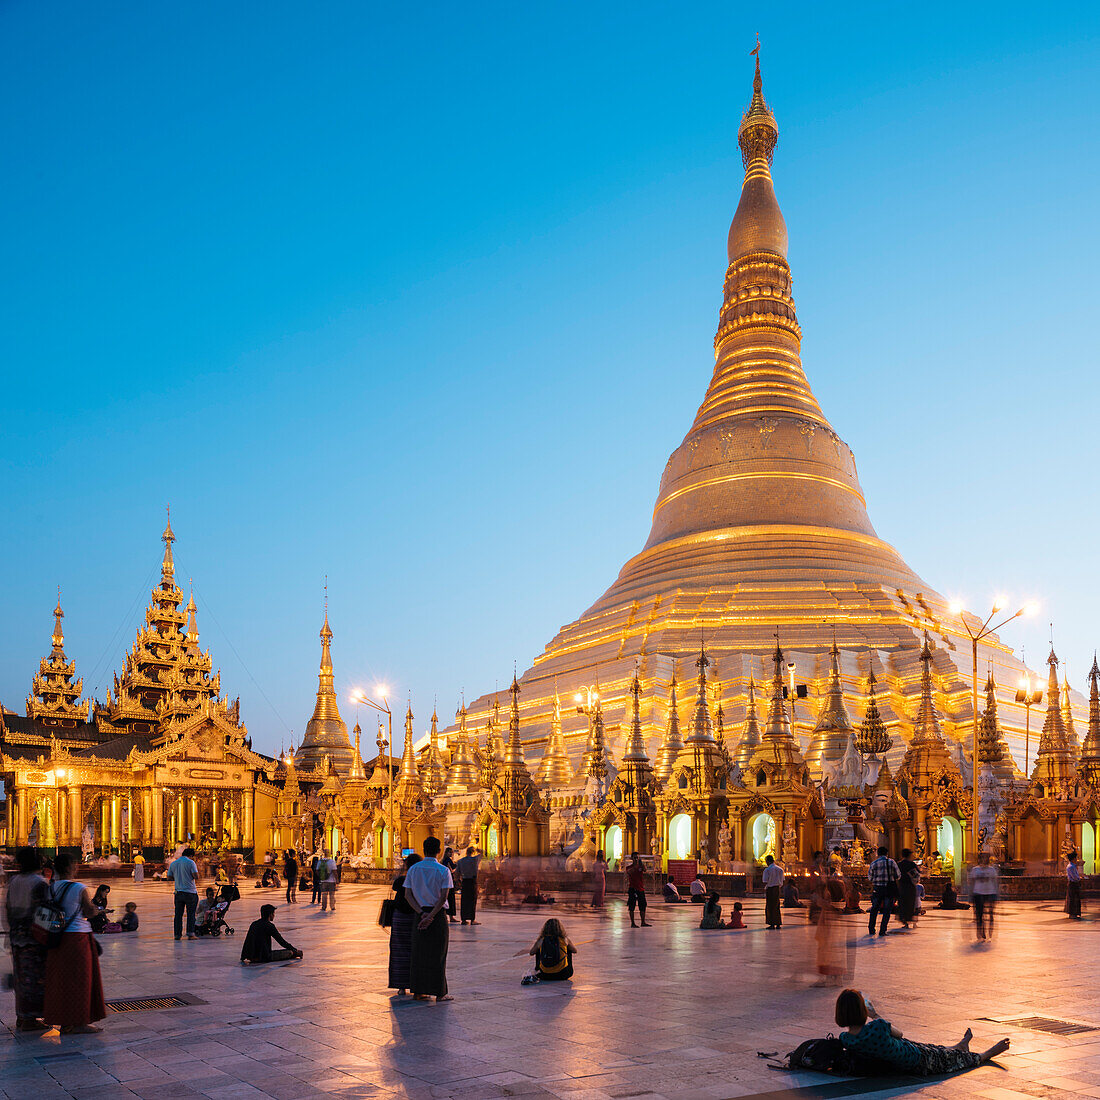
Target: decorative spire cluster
pixel 749 741
pixel 990 742
pixel 326 732
pixel 833 730
pixel 702 732
pixel 926 729
pixel 462 773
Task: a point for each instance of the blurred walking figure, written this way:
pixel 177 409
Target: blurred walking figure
pixel 773 883
pixel 908 877
pixel 467 873
pixel 832 944
pixel 290 873
pixel 1073 887
pixel 983 893
pixel 883 875
pixel 599 880
pixel 326 872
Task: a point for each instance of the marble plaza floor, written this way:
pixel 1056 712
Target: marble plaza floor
pixel 667 1011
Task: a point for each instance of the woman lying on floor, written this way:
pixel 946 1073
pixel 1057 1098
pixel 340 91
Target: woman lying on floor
pixel 871 1037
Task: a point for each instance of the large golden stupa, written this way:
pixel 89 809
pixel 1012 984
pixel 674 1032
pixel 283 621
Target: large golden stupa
pixel 761 533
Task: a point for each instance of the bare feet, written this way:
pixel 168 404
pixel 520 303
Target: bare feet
pixel 445 997
pixel 994 1050
pixel 646 924
pixel 964 1042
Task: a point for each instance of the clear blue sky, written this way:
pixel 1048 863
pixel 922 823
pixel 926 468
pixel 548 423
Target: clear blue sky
pixel 422 297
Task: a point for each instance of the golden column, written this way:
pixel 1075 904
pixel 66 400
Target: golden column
pixel 156 816
pixel 76 820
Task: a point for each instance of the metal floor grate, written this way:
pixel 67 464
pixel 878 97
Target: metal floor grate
pixel 1049 1025
pixel 146 1004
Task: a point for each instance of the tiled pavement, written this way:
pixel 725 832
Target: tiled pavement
pixel 667 1011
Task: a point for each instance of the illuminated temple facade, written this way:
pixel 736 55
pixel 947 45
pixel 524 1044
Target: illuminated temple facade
pixel 766 676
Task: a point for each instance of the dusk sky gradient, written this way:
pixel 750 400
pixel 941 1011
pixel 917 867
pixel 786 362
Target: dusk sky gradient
pixel 422 297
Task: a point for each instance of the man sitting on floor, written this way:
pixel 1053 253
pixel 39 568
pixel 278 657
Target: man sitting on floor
pixel 257 944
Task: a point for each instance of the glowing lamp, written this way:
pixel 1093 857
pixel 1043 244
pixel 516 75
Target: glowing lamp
pixel 955 607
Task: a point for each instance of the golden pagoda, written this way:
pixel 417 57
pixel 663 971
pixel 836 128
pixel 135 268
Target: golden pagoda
pixel 326 733
pixel 760 525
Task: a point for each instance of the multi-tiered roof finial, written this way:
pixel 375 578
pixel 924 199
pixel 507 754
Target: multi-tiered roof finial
pixel 54 695
pixel 357 771
pixel 408 773
pixel 434 775
pixel 192 622
pixel 513 751
pixel 778 726
pixel 167 565
pixel 1054 764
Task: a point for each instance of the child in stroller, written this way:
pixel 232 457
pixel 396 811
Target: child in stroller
pixel 210 920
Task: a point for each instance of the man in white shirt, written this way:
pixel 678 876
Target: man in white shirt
pixel 773 881
pixel 326 870
pixel 184 872
pixel 427 886
pixel 698 890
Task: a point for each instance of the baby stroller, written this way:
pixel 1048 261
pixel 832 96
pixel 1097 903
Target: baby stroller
pixel 214 922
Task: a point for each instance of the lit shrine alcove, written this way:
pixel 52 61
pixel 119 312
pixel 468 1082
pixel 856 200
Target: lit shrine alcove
pixel 949 843
pixel 613 845
pixel 762 837
pixel 679 837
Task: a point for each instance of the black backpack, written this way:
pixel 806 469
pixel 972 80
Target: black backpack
pixel 550 953
pixel 826 1055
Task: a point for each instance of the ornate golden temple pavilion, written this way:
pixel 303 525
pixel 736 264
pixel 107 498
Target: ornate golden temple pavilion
pixel 830 701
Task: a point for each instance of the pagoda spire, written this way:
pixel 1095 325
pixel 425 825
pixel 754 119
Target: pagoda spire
pixel 514 761
pixel 1089 767
pixel 595 762
pixel 462 771
pixel 357 771
pixel 672 742
pixel 990 742
pixel 326 733
pixel 702 732
pixel 778 726
pixel 635 752
pixel 434 775
pixel 409 770
pixel 749 740
pixel 192 624
pixel 833 730
pixel 554 770
pixel 1067 717
pixel 926 728
pixel 1054 765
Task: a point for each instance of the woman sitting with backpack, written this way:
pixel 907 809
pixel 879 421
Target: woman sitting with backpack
pixel 553 953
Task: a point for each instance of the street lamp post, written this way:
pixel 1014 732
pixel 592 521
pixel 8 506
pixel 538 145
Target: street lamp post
pixel 360 697
pixel 1028 696
pixel 983 631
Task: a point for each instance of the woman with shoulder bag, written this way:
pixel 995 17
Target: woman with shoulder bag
pixel 403 916
pixel 74 988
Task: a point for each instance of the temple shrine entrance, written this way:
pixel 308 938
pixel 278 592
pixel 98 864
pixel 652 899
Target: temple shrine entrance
pixel 1088 847
pixel 761 836
pixel 613 846
pixel 492 842
pixel 679 837
pixel 949 843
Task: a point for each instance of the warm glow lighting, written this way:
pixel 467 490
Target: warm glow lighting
pixel 579 697
pixel 1024 682
pixel 955 607
pixel 60 773
pixel 382 690
pixel 1031 607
